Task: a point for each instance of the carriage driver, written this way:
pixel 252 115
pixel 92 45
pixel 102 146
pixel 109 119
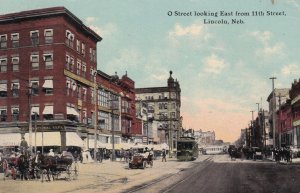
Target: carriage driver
pixel 23 145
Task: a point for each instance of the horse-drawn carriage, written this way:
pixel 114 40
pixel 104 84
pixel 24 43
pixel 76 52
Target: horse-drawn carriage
pixel 57 165
pixel 40 166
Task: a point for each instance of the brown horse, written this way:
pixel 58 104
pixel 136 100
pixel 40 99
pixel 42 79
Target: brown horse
pixel 53 165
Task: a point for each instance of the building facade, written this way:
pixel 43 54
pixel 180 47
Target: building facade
pixel 275 101
pixel 162 123
pixel 295 107
pixel 48 66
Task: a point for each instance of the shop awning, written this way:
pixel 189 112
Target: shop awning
pixel 48 84
pixel 72 111
pixel 35 110
pixel 3 87
pixel 10 139
pixel 54 139
pixel 91 144
pixel 44 139
pixel 73 139
pixel 48 110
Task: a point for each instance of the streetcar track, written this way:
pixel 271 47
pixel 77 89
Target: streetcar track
pixel 156 181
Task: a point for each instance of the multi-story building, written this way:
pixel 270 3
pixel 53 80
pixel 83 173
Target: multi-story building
pixel 205 138
pixel 284 124
pixel 275 100
pixel 163 112
pixel 295 107
pixel 49 79
pixel 48 67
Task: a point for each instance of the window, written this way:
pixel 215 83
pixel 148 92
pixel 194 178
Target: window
pixel 15 40
pixel 83 69
pixel 34 59
pixel 48 112
pixel 91 54
pixel 15 113
pixel 34 87
pixel 48 33
pixel 94 56
pixel 173 115
pixel 103 118
pixel 3 89
pixel 78 67
pixel 69 38
pixel 34 35
pixel 15 88
pixel 48 58
pixel 3 114
pixel 48 86
pixel 35 112
pixel 78 46
pixel 3 41
pixel 83 49
pixel 103 98
pixel 84 93
pixel 15 62
pixel 3 64
pixel 67 61
pixel 72 62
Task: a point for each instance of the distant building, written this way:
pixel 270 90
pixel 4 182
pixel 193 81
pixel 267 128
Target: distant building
pixel 205 138
pixel 281 95
pixel 161 105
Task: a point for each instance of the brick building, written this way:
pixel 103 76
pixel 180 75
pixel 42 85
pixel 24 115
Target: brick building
pixel 50 82
pixel 295 107
pixel 48 66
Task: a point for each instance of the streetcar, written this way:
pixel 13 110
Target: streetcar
pixel 187 149
pixel 214 150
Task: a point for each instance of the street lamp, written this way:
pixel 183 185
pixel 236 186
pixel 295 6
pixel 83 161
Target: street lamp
pixel 273 109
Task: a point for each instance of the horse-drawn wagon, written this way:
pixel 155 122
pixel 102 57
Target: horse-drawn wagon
pixel 58 165
pixel 40 166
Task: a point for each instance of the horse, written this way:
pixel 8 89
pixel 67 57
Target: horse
pixel 22 165
pixel 53 165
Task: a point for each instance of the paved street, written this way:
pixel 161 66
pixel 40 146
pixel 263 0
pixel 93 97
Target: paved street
pixel 207 174
pixel 221 175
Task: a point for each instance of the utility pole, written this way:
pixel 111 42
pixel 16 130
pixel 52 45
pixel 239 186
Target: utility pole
pixel 95 118
pixel 30 119
pixel 259 125
pixel 273 110
pixel 252 128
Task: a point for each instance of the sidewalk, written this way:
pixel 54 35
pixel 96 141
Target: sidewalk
pixel 108 176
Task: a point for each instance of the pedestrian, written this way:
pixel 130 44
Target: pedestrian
pixel 164 155
pixel 51 153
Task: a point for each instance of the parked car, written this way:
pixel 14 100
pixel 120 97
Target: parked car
pixel 257 153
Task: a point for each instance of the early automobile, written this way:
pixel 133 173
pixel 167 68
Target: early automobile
pixel 257 153
pixel 137 161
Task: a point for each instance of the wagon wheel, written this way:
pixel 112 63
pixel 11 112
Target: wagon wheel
pixel 72 171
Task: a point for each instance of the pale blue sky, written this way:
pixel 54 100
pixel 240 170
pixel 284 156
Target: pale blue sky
pixel 223 70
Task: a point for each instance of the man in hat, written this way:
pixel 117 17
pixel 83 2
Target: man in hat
pixel 23 145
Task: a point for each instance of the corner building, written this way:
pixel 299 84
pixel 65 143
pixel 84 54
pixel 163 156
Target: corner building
pixel 164 122
pixel 48 67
